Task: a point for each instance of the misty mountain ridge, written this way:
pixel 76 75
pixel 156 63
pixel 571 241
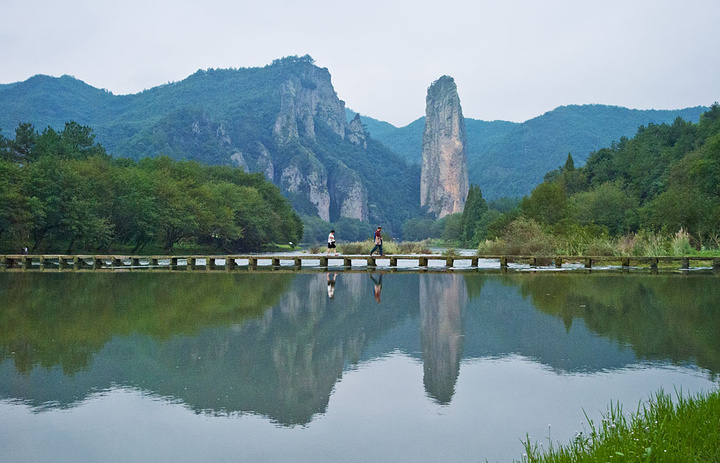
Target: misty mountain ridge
pixel 511 158
pixel 286 121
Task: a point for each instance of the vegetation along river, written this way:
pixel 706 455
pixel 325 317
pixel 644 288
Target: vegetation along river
pixel 348 367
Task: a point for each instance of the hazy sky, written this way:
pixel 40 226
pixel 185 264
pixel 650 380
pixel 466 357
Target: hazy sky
pixel 511 60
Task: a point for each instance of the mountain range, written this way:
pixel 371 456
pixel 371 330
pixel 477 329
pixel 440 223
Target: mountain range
pixel 510 159
pixel 286 121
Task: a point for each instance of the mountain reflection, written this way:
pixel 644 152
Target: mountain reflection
pixel 442 301
pixel 277 343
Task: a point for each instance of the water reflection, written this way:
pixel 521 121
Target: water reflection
pixel 276 344
pixel 377 286
pixel 331 284
pixel 443 300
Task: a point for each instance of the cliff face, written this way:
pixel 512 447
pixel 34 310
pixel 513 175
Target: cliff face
pixel 283 120
pixel 444 177
pixel 308 98
pixel 303 98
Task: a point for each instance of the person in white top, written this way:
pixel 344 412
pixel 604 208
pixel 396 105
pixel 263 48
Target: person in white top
pixel 331 243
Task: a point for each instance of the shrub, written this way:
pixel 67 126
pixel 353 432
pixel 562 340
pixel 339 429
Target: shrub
pixel 522 237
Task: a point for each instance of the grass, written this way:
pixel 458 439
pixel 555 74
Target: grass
pixel 526 237
pixel 687 430
pixel 364 247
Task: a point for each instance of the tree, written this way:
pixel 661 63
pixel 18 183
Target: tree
pixel 608 205
pixel 475 207
pixel 547 204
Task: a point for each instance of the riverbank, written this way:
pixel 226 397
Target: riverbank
pixel 662 430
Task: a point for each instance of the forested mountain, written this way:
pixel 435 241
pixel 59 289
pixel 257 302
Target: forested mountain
pixel 666 179
pixel 284 120
pixel 509 159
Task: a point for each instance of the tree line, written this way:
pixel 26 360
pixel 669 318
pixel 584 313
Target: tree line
pixel 60 192
pixel 664 182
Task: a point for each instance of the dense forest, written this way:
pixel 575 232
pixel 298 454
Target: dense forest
pixel 509 159
pixel 658 188
pixel 61 192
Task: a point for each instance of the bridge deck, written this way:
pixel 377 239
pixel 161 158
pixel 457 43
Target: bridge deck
pixel 251 261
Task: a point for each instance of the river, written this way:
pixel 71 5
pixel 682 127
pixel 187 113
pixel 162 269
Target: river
pixel 314 366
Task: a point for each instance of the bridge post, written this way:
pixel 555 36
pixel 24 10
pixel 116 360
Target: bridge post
pixel 716 263
pixel 685 263
pixel 423 261
pixel 558 262
pixel 588 262
pixel 347 262
pixel 252 263
pixel 298 263
pixel 393 262
pixel 371 261
pixel 503 262
pixel 654 262
pixel 474 261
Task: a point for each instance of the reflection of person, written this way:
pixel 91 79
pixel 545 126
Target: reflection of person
pixel 378 241
pixel 378 287
pixel 331 243
pixel 331 285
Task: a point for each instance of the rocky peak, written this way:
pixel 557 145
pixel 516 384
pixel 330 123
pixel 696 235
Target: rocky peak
pixel 356 132
pixel 444 174
pixel 306 94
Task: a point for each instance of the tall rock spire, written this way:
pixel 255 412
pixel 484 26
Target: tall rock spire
pixel 444 178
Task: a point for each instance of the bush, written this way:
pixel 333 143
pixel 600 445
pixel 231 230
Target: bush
pixel 522 237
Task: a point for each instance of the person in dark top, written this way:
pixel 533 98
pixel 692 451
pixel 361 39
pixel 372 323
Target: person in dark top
pixel 378 241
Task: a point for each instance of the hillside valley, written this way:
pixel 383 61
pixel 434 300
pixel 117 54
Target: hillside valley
pixel 286 121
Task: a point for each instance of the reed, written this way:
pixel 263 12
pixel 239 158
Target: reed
pixel 389 247
pixel 661 430
pixel 529 239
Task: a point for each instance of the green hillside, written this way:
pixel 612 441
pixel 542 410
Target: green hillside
pixel 509 159
pixel 231 117
pixel 514 165
pixel 664 181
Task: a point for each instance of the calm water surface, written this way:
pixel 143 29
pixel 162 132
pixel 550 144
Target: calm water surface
pixel 285 366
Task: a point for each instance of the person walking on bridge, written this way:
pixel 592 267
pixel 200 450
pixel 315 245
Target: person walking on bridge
pixel 378 242
pixel 331 243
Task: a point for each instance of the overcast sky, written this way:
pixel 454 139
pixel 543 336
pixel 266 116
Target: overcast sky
pixel 511 60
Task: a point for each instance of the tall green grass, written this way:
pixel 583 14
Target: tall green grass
pixel 527 237
pixel 364 247
pixel 687 430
